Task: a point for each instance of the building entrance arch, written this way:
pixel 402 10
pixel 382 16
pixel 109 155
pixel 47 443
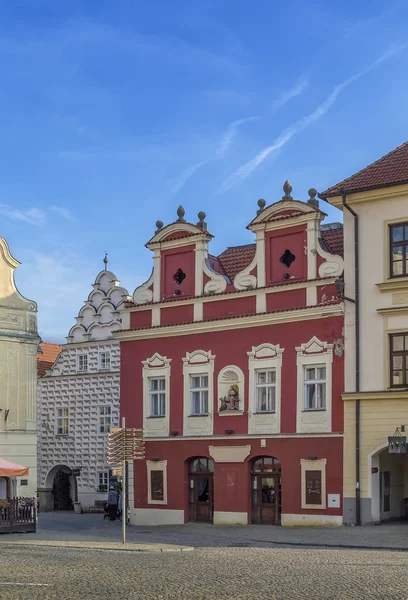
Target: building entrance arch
pixel 265 490
pixel 63 488
pixel 201 489
pixel 388 483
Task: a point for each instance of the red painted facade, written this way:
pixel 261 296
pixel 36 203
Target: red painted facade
pixel 280 315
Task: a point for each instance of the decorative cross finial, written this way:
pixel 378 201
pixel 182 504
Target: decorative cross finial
pixel 159 225
pixel 261 204
pixel 201 223
pixel 180 213
pixel 287 188
pixel 105 260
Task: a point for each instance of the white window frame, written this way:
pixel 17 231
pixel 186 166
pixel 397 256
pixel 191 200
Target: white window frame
pixel 314 382
pixel 105 475
pixel 270 385
pixel 107 359
pixel 201 391
pixel 156 367
pixel 62 417
pixel 263 358
pixel 84 356
pixel 160 465
pixel 198 362
pixel 314 353
pixel 102 418
pixel 161 401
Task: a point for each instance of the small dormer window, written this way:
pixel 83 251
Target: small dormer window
pixel 179 276
pixel 287 258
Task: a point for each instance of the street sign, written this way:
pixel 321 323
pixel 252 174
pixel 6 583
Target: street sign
pixel 124 444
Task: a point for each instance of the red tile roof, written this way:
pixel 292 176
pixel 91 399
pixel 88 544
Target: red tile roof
pixel 333 238
pixel 47 357
pixel 236 258
pixel 391 169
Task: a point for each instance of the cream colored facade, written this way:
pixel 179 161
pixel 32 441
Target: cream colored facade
pixel 18 376
pixel 383 311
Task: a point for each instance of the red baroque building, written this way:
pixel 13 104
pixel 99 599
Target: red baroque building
pixel 233 366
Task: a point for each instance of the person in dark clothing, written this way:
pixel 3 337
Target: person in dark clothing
pixel 112 504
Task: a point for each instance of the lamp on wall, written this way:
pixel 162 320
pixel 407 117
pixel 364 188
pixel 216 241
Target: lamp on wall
pixel 174 432
pixel 155 459
pixel 312 458
pixel 229 431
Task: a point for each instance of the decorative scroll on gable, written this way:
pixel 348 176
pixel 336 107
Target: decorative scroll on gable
pixel 333 265
pixel 217 284
pixel 314 346
pixel 142 294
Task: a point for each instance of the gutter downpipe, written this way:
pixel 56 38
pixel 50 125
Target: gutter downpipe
pixel 357 347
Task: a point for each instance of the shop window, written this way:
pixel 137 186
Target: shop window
pixel 157 482
pixel 103 481
pixel 313 483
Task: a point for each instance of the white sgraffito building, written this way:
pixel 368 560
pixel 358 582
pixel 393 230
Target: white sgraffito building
pixel 18 349
pixel 78 403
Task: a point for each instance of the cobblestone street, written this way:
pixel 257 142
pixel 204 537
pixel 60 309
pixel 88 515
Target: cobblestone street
pixel 204 574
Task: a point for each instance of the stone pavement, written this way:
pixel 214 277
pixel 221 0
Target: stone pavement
pixel 65 526
pixel 44 573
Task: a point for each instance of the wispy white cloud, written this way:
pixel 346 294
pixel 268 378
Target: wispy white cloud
pixel 249 167
pixel 33 216
pixel 62 212
pixel 300 86
pixel 181 180
pixel 229 134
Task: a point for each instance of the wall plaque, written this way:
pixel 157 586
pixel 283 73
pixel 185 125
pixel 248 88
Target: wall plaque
pixel 157 485
pixel 313 487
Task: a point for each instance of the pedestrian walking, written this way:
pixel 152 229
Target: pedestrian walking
pixel 112 504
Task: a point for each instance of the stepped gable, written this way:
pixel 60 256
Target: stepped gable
pixel 100 316
pixel 391 169
pixel 47 354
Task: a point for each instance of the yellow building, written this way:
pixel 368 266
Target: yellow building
pixel 375 206
pixel 18 379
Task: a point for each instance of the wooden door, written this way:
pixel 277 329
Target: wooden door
pixel 265 499
pixel 201 497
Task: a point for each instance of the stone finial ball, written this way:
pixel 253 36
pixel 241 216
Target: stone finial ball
pixel 159 224
pixel 312 192
pixel 201 215
pixel 261 203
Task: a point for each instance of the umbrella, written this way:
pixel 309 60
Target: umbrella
pixel 9 468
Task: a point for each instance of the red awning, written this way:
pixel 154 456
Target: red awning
pixel 9 468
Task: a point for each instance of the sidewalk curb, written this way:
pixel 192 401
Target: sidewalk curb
pixel 328 545
pixel 109 548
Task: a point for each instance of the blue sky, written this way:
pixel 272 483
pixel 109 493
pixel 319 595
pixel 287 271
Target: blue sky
pixel 114 113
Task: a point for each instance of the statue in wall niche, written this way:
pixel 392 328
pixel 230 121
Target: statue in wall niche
pixel 231 401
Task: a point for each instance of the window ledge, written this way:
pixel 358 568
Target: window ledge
pixel 62 434
pixel 264 412
pixel 200 415
pixel 230 413
pixel 156 417
pixel 307 410
pixel 393 284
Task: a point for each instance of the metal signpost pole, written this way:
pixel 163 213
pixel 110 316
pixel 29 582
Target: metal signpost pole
pixel 124 503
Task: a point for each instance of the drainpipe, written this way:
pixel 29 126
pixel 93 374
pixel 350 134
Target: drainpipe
pixel 357 349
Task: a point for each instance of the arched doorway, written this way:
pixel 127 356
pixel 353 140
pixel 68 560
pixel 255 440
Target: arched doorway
pixel 265 490
pixel 201 495
pixel 60 491
pixel 388 484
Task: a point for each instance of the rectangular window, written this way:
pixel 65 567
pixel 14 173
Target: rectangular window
pixel 105 419
pixel 157 396
pixel 157 485
pixel 103 480
pixel 399 250
pixel 315 387
pixel 399 359
pixel 104 361
pixel 265 382
pixel 199 394
pixel 62 421
pixel 82 362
